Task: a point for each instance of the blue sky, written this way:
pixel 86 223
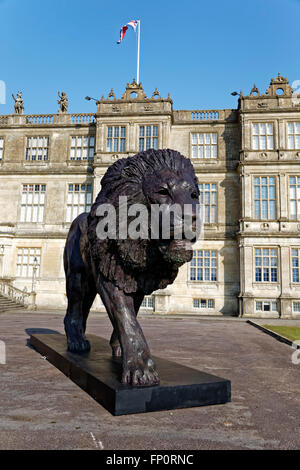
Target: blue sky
pixel 199 51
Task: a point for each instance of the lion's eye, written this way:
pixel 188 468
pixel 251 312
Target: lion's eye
pixel 163 192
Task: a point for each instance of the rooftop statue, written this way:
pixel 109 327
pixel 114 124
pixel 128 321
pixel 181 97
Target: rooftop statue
pixel 19 103
pixel 63 102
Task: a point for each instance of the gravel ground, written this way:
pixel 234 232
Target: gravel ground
pixel 40 408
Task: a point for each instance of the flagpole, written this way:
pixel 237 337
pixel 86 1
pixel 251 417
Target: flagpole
pixel 138 53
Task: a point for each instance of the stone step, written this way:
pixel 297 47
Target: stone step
pixel 9 304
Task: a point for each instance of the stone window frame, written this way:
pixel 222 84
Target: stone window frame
pixel 29 264
pixel 40 203
pixel 268 200
pixel 203 206
pixel 210 267
pixel 293 134
pixel 148 302
pixel 296 199
pixel 37 136
pixel 259 149
pixel 269 266
pixel 114 125
pixel 151 137
pixel 295 269
pixel 294 304
pixel 75 207
pixel 2 138
pixel 203 158
pixel 82 136
pixel 206 305
pixel 264 302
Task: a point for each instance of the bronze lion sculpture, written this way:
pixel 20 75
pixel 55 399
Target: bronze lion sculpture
pixel 123 270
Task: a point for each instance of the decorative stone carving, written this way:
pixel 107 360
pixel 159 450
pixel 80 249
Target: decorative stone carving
pixel 111 95
pixel 279 83
pixel 263 155
pixel 63 102
pixel 264 226
pixel 134 88
pixel 156 93
pixel 254 91
pixel 262 105
pixel 19 103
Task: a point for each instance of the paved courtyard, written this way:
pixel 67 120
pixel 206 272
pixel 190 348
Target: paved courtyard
pixel 40 408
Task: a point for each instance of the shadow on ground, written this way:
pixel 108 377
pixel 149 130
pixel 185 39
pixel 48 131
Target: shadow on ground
pixel 39 331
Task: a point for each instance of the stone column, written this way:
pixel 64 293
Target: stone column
pixel 282 197
pixel 285 300
pixel 132 143
pixel 1 262
pixel 161 301
pixel 62 118
pixel 98 174
pixel 246 196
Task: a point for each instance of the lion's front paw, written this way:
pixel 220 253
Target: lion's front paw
pixel 138 373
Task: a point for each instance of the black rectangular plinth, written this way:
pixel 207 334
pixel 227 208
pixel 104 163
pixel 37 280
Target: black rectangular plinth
pixel 99 375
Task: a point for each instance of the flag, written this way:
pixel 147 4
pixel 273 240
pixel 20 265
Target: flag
pixel 132 23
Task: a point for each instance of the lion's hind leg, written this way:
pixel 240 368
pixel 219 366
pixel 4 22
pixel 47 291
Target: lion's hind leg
pixel 75 318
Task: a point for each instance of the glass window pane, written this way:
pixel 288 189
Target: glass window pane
pixel 109 145
pixel 290 142
pixel 255 142
pixel 262 129
pixel 262 142
pixel 270 142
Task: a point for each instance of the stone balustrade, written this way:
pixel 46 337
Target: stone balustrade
pixel 83 118
pixel 39 118
pixel 46 119
pixel 21 297
pixel 199 115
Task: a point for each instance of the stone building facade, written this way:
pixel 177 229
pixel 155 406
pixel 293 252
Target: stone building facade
pixel 248 164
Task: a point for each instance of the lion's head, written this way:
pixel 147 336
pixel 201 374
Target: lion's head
pixel 159 179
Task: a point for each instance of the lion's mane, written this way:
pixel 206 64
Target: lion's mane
pixel 134 265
